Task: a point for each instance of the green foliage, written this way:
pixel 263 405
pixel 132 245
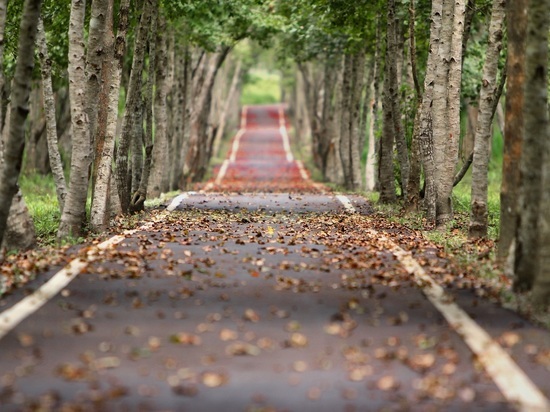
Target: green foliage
pixel 261 87
pixel 39 194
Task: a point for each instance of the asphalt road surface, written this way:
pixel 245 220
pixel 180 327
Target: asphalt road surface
pixel 265 292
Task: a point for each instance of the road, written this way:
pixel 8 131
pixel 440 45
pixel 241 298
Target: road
pixel 265 292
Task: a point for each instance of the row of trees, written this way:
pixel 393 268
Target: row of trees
pixel 157 60
pixel 137 88
pixel 392 79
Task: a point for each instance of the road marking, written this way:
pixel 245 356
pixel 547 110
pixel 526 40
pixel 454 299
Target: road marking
pixel 346 203
pixel 235 146
pixel 286 144
pixel 222 171
pixel 11 317
pixel 177 200
pixel 514 384
pixel 302 170
pixel 284 135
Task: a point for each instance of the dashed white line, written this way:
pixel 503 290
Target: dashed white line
pixel 514 384
pixel 284 135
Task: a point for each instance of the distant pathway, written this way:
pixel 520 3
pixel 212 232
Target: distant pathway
pixel 266 292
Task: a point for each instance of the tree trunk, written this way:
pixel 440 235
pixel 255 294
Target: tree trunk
pixel 413 185
pixel 345 132
pixel 356 96
pixel 386 172
pixel 371 166
pixel 95 55
pixel 197 154
pixel 49 113
pixel 513 134
pixel 3 13
pixel 537 122
pixel 446 106
pixel 74 212
pixel 105 140
pixel 529 250
pixel 133 113
pixel 140 195
pixel 180 114
pixel 159 172
pixel 392 52
pixel 15 139
pixel 482 141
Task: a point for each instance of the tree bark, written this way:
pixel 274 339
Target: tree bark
pixel 446 106
pixel 356 98
pixel 413 185
pixel 133 112
pixel 535 148
pixel 3 13
pixel 105 141
pixel 15 140
pixel 482 142
pixel 513 135
pixel 386 172
pixel 345 132
pixel 74 212
pixel 393 89
pixel 140 195
pixel 49 113
pixel 95 55
pixel 371 164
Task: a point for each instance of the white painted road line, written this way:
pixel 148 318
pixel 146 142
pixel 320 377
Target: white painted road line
pixel 514 384
pixel 177 201
pixel 347 203
pixel 302 170
pixel 222 171
pixel 235 146
pixel 11 317
pixel 286 144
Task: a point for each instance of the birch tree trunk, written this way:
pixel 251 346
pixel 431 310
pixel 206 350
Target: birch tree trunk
pixel 74 212
pixel 482 140
pixel 446 106
pixel 49 113
pixel 133 113
pixel 95 55
pixel 105 140
pixel 14 143
pixel 159 171
pixel 356 96
pixel 513 136
pixel 425 132
pixel 371 164
pixel 531 230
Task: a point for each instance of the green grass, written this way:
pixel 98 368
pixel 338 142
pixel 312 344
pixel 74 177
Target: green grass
pixel 39 194
pixel 261 87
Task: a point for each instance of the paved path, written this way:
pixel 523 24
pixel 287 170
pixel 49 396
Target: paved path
pixel 265 292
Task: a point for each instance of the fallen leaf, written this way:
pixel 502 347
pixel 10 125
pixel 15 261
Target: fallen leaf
pixel 214 379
